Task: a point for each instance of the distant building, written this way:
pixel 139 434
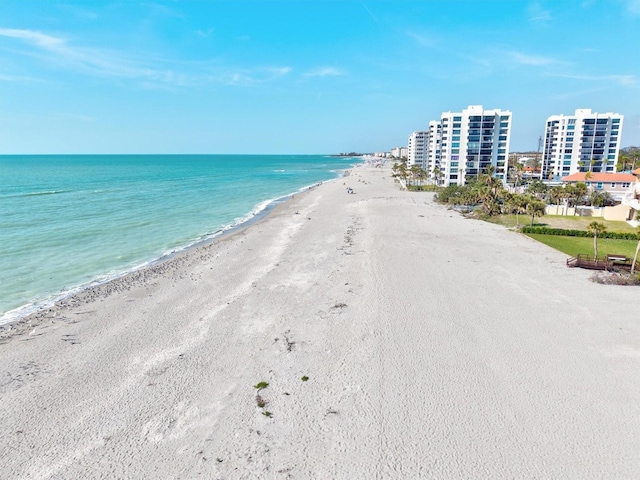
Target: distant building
pixel 583 142
pixel 417 150
pixel 399 152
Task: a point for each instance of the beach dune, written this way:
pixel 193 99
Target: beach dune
pixel 398 340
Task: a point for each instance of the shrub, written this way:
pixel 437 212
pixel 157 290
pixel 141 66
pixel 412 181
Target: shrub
pixel 578 233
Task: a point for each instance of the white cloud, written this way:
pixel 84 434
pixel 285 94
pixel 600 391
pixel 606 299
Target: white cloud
pixel 324 72
pixel 33 37
pixel 533 60
pixel 538 14
pixel 423 40
pixel 633 6
pixel 204 33
pixel 113 64
pixel 369 11
pixel 20 78
pixel 621 80
pixel 250 77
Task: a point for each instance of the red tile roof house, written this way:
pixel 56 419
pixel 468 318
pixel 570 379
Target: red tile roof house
pixel 623 188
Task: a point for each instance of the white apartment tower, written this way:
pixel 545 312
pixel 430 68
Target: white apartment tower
pixel 417 149
pixel 583 142
pixel 433 147
pixel 469 142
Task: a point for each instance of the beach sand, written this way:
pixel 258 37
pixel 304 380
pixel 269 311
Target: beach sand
pixel 435 346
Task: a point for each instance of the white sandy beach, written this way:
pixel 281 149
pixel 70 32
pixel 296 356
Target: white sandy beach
pixel 435 347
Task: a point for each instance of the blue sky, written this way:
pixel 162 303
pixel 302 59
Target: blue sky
pixel 302 76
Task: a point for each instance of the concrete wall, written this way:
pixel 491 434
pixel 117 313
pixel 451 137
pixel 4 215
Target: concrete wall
pixel 617 212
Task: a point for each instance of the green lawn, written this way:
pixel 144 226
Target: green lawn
pixel 566 222
pixel 572 246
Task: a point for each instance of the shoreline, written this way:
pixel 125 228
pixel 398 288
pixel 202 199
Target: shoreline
pixel 388 335
pixel 261 210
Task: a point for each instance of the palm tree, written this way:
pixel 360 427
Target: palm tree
pixel 535 208
pixel 518 171
pixel 537 188
pixel 515 203
pixel 417 173
pixel 437 173
pixel 596 228
pixel 623 160
pixel 577 192
pixel 635 257
pixel 401 171
pixel 600 198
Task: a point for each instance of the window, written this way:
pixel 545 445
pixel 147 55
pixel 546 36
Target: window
pixel 615 120
pixel 588 184
pixel 613 185
pixel 455 157
pixel 626 185
pixel 571 121
pixel 454 164
pixel 568 150
pixel 456 132
pixel 603 121
pixel 502 150
pixel 501 157
pixel 504 124
pixel 455 144
pixel 456 125
pixel 455 150
pixel 599 186
pixel 502 137
pixel 611 157
pixel 456 137
pixel 571 127
pixel 566 162
pixel 504 117
pixel 457 119
pixel 570 134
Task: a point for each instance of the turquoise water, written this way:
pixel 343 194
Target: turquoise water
pixel 67 221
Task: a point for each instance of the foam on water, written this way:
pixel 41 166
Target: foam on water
pixel 122 212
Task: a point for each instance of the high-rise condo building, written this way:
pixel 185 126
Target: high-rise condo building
pixel 584 142
pixel 433 147
pixel 471 141
pixel 417 149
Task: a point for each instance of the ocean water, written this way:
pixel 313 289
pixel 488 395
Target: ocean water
pixel 69 221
